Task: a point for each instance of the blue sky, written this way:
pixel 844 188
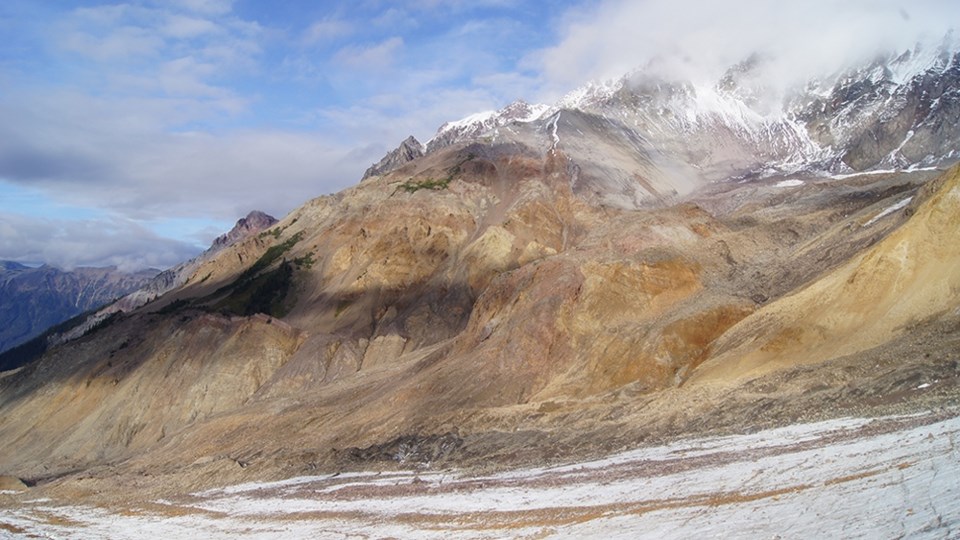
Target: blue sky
pixel 133 133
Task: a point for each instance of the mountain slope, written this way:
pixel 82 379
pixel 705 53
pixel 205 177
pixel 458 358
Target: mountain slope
pixel 909 277
pixel 650 137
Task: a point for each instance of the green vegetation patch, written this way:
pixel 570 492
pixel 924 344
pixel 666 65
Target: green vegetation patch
pixel 265 260
pixel 412 186
pixel 305 262
pixel 257 291
pixel 265 293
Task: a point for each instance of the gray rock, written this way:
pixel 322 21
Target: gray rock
pixel 409 150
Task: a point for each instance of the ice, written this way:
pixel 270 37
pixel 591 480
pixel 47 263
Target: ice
pixel 553 131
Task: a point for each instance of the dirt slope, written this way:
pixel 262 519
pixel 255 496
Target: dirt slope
pixel 910 276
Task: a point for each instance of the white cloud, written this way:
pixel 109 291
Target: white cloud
pixel 208 7
pixel 326 30
pixel 394 18
pixel 119 44
pixel 120 156
pixel 700 38
pixel 183 27
pixel 186 76
pixel 90 242
pixel 372 57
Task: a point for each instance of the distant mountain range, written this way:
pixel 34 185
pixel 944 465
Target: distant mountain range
pixel 34 299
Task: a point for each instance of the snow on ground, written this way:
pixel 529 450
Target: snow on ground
pixel 863 173
pixel 888 210
pixel 847 478
pixel 789 183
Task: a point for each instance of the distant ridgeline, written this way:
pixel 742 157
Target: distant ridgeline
pixel 34 299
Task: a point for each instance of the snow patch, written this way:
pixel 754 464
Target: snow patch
pixel 589 94
pixel 476 118
pixel 864 173
pixel 888 210
pixel 552 126
pixel 789 183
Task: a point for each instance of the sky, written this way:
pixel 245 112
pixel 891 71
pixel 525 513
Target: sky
pixel 133 133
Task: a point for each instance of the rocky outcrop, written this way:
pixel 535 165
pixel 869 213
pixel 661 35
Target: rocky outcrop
pixel 254 222
pixel 409 150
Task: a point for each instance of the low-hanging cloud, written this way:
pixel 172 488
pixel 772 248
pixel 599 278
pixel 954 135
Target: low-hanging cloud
pixel 698 38
pixel 118 157
pixel 91 242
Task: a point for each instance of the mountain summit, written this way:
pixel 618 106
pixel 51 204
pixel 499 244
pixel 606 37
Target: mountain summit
pixel 254 222
pixel 409 150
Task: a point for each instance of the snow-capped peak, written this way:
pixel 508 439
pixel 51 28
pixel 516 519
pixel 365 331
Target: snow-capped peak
pixel 467 121
pixel 590 93
pixel 479 123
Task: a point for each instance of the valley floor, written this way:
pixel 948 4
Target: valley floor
pixel 884 477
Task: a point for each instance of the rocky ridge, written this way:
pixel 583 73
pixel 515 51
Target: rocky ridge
pixel 254 222
pixel 409 150
pixel 893 113
pixel 167 280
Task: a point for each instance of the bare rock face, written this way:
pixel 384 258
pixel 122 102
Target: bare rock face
pixel 254 222
pixel 409 150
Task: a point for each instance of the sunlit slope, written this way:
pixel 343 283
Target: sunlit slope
pixel 910 276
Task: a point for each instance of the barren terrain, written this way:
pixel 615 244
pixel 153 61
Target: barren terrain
pixel 448 335
pixel 896 474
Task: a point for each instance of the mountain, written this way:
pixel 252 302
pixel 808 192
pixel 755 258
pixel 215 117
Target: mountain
pixel 409 150
pixel 648 137
pixel 643 261
pixel 255 222
pixel 476 125
pixel 34 299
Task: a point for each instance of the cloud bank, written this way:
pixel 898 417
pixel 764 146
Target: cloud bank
pixel 68 244
pixel 699 39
